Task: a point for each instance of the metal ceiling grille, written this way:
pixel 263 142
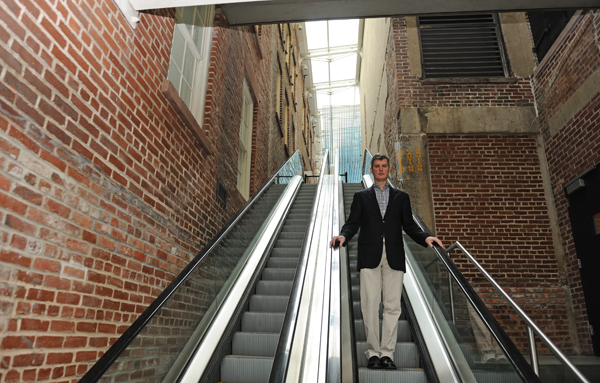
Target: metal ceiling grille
pixel 461 46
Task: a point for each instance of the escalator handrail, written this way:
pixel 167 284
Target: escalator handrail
pixel 513 354
pixel 284 345
pixel 522 314
pixel 106 360
pixel 334 319
pixel 348 281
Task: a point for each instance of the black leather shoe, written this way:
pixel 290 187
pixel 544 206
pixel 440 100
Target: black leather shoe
pixel 374 363
pixel 387 363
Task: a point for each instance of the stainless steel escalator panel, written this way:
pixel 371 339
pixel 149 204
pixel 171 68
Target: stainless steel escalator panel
pixel 254 255
pixel 262 323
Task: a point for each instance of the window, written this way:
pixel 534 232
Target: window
pixel 461 46
pixel 546 27
pixel 245 146
pixel 286 124
pixel 188 65
pixel 279 91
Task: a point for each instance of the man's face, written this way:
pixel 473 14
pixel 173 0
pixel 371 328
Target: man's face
pixel 380 170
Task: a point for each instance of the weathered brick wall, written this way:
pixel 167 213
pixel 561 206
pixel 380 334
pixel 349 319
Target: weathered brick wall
pixel 414 92
pixel 488 194
pixel 104 193
pixel 574 147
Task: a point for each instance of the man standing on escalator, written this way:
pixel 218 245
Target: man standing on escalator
pixel 381 213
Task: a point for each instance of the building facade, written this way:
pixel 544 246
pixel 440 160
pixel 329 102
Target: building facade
pixel 486 148
pixel 114 141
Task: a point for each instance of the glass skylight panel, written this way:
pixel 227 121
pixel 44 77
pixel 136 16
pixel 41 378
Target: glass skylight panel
pixel 343 32
pixel 320 70
pixel 343 68
pixel 346 96
pixel 316 34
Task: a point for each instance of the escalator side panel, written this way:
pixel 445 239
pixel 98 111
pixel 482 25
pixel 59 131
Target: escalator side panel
pixel 247 350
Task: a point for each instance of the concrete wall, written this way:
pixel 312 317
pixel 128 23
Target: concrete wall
pixel 373 83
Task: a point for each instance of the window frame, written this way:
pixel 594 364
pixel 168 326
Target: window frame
pixel 201 55
pixel 245 141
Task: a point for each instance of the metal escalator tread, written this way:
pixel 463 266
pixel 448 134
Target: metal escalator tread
pixel 253 348
pixel 406 355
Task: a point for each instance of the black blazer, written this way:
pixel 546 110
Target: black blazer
pixel 365 214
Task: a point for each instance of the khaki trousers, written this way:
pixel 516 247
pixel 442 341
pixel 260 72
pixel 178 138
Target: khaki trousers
pixel 374 282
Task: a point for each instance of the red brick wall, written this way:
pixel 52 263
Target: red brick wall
pixel 488 195
pixel 414 92
pixel 409 91
pixel 104 194
pixel 576 146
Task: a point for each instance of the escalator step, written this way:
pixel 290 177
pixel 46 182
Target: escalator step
pixel 292 235
pixel 274 287
pixel 358 313
pixel 405 355
pixel 404 334
pixel 262 322
pixel 269 303
pixel 245 369
pixel 291 252
pixel 294 228
pixel 255 344
pixel 289 244
pixel 282 262
pixel 278 274
pixel 404 375
pixel 297 222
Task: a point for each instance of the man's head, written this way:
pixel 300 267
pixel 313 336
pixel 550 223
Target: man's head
pixel 380 167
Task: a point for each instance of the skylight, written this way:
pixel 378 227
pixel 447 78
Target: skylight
pixel 333 51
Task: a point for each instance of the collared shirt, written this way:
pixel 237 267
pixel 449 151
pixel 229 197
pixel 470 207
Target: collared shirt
pixel 383 197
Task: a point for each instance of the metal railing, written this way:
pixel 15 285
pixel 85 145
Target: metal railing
pixel 462 360
pixel 532 328
pixel 482 310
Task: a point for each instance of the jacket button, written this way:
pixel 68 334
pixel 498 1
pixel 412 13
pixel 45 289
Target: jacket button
pixel 383 221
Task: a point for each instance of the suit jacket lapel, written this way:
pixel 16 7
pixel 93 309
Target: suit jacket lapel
pixel 393 196
pixel 371 196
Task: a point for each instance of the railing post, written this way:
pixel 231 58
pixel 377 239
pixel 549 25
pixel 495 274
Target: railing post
pixel 533 351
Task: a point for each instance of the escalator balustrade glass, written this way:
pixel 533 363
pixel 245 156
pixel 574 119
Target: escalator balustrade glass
pixel 151 346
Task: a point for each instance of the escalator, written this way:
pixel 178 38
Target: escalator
pixel 230 300
pixel 268 301
pixel 253 347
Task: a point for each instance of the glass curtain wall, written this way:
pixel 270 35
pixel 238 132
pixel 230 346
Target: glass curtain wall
pixel 341 129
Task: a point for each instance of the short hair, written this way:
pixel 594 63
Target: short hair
pixel 379 157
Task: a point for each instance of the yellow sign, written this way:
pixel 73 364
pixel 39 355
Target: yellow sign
pixel 413 160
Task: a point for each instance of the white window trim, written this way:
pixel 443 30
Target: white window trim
pixel 245 141
pixel 200 79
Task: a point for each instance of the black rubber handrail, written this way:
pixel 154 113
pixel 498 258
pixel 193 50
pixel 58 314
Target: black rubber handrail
pixel 514 356
pixel 104 363
pixel 288 328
